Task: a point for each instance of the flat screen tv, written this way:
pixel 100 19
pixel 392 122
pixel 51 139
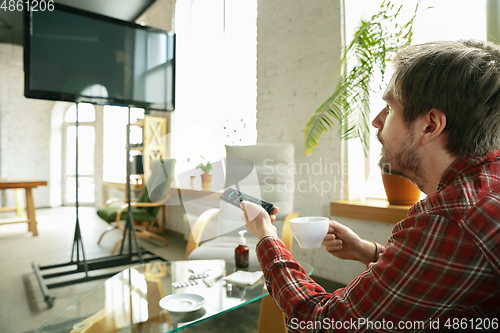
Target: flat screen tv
pixel 78 56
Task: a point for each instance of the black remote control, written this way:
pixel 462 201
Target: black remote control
pixel 234 197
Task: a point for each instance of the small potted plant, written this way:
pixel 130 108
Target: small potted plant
pixel 206 177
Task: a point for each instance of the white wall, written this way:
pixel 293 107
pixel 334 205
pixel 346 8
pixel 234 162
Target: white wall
pixel 24 127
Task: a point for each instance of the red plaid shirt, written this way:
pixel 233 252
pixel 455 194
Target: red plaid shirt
pixel 441 266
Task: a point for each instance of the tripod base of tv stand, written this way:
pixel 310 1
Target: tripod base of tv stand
pixel 85 268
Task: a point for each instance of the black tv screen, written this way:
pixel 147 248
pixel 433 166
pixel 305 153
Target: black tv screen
pixel 78 56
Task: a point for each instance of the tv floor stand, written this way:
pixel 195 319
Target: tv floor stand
pixel 83 266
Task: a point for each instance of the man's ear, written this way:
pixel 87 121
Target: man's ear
pixel 433 124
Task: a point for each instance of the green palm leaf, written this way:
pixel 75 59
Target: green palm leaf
pixel 373 44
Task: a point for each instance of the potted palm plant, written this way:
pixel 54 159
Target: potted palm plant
pixel 366 57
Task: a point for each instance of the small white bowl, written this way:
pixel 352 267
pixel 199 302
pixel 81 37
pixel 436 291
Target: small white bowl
pixel 182 302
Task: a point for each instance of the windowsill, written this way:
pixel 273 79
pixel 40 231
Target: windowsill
pixel 377 210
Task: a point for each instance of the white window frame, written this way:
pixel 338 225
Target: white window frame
pixel 65 145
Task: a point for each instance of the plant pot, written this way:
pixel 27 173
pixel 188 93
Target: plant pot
pixel 399 190
pixel 206 181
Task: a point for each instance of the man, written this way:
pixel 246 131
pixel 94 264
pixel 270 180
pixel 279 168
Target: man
pixel 441 266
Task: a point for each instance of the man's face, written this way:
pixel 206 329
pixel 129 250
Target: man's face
pixel 399 154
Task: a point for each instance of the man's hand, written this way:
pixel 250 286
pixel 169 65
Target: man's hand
pixel 257 220
pixel 343 243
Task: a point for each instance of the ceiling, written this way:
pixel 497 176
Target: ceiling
pixel 11 23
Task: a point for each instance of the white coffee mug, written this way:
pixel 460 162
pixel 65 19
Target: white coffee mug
pixel 309 231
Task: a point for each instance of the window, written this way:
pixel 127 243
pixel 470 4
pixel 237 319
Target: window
pixel 217 78
pixel 447 20
pixel 86 147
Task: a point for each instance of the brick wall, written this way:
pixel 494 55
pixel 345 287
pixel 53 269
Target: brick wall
pixel 298 47
pixel 24 127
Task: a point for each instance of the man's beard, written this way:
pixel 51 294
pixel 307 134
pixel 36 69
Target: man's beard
pixel 406 162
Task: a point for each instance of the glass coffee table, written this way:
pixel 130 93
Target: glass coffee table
pixel 192 291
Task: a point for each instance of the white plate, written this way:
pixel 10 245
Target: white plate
pixel 182 302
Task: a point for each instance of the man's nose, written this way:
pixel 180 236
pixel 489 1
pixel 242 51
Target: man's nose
pixel 378 121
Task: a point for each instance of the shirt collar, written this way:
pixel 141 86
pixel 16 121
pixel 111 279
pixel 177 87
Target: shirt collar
pixel 463 164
